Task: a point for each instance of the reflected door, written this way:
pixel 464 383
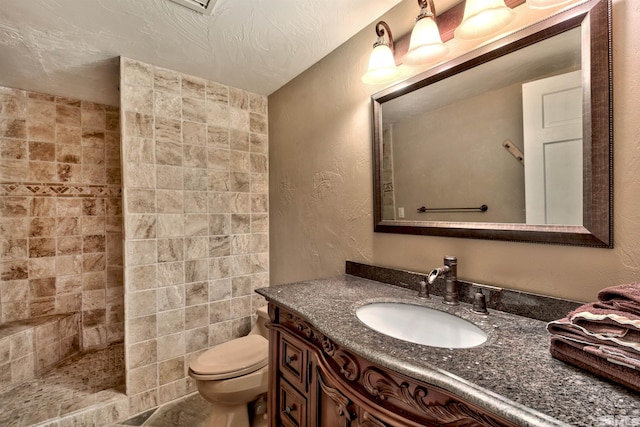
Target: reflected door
pixel 552 124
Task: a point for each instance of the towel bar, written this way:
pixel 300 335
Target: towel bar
pixel 424 209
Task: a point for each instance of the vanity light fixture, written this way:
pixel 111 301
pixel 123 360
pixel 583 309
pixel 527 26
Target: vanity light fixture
pixel 382 64
pixel 483 18
pixel 544 4
pixel 426 45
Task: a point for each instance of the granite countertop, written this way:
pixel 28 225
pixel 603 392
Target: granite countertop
pixel 512 374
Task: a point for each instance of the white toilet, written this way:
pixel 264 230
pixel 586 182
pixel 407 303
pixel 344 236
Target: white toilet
pixel 233 374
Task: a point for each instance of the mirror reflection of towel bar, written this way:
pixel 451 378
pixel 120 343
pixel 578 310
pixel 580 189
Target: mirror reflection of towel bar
pixel 424 209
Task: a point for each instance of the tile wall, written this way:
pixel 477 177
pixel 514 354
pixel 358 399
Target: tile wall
pixel 60 213
pixel 34 346
pixel 195 196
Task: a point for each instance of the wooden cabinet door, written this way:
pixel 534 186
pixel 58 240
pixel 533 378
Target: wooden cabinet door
pixel 289 381
pixel 292 363
pixel 292 406
pixel 332 407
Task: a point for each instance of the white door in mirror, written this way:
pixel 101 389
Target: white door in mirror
pixel 552 124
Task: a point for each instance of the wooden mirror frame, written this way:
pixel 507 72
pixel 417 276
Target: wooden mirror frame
pixel 594 18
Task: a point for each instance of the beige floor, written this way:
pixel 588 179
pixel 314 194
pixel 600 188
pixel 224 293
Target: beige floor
pixel 190 411
pixel 88 390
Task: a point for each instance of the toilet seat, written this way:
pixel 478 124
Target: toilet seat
pixel 231 359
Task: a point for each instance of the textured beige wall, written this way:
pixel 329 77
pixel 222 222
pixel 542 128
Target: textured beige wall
pixel 449 166
pixel 321 183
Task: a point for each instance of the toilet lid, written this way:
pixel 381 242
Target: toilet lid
pixel 233 358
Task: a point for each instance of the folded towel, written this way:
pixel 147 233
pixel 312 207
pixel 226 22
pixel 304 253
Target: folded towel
pixel 611 354
pixel 566 351
pixel 615 355
pixel 607 321
pixel 619 305
pixel 630 292
pixel 566 329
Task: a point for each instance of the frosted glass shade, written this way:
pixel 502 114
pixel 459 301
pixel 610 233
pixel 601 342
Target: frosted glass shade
pixel 543 4
pixel 382 66
pixel 426 45
pixel 483 18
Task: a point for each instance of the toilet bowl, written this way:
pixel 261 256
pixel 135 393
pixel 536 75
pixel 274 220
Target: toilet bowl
pixel 233 374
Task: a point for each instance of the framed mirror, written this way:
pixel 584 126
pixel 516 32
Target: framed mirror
pixel 512 141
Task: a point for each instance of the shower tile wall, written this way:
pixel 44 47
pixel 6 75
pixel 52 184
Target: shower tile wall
pixel 195 182
pixel 60 212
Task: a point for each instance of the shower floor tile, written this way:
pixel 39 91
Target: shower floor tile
pixel 77 389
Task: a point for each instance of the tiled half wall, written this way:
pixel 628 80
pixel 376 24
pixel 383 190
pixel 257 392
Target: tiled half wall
pixel 60 213
pixel 195 196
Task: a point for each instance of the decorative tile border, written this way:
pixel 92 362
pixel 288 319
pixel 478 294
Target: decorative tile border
pixel 59 190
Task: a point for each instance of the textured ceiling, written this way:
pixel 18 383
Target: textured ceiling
pixel 70 47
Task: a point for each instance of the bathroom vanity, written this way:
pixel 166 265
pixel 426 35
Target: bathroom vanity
pixel 327 368
pixel 320 383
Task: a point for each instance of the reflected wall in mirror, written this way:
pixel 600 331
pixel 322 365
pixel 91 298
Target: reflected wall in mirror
pixel 521 126
pixel 466 161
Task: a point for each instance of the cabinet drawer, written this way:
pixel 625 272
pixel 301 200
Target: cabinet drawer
pixel 293 361
pixel 292 406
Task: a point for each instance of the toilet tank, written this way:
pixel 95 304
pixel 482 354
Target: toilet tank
pixel 261 320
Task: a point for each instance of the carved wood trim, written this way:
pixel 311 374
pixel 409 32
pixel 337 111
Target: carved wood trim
pixel 349 368
pixel 453 413
pixel 368 420
pixel 340 400
pixel 379 384
pixel 457 414
pixel 273 312
pixel 346 362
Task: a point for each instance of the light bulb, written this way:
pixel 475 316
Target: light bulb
pixel 426 45
pixel 382 66
pixel 483 18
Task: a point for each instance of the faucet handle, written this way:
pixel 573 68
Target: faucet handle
pixel 479 303
pixel 424 290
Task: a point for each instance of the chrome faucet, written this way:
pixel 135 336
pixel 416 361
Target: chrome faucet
pixel 450 273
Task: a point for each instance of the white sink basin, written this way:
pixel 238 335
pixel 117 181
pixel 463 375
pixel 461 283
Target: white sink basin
pixel 420 325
